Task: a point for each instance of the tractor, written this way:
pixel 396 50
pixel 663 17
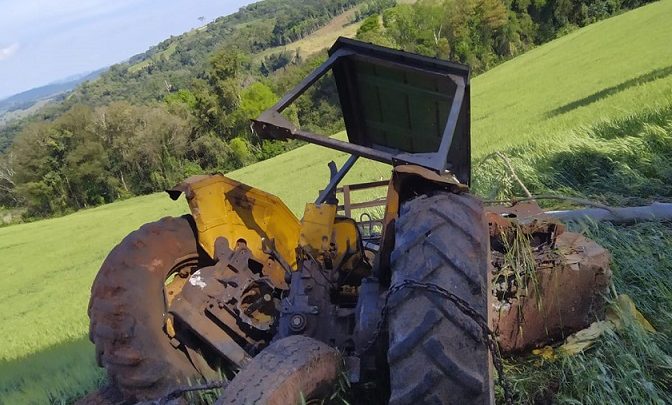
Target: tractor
pixel 284 307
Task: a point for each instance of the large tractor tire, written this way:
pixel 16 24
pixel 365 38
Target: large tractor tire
pixel 437 354
pixel 289 370
pixel 128 308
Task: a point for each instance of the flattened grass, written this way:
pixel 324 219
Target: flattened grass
pixel 621 161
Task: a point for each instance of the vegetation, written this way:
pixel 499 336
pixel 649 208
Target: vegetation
pixel 482 33
pixel 571 115
pixel 183 107
pixel 619 161
pixel 627 366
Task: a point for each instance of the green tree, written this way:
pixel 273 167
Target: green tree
pixel 254 100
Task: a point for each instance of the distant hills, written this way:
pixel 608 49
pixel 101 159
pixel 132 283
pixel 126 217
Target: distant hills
pixel 24 101
pixel 177 62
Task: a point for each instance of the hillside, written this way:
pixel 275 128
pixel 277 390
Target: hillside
pixel 178 60
pixel 605 70
pixel 586 111
pixel 339 26
pixel 26 99
pixel 184 106
pixel 27 103
pixel 175 62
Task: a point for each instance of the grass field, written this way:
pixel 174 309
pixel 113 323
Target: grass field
pixel 608 69
pixel 340 26
pixel 589 113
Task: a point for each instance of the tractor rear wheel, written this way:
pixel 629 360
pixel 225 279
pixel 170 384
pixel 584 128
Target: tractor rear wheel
pixel 437 354
pixel 291 370
pixel 128 309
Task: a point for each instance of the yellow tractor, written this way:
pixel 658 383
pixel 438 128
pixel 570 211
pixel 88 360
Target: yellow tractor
pixel 285 307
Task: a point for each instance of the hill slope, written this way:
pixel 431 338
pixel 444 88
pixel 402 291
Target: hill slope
pixel 603 72
pixel 609 68
pixel 27 98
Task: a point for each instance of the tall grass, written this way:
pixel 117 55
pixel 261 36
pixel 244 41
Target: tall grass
pixel 626 366
pixel 622 161
pixel 626 161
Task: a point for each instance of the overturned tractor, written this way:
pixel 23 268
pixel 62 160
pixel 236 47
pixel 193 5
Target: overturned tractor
pixel 284 307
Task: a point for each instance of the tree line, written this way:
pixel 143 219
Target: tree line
pixel 93 155
pixel 483 33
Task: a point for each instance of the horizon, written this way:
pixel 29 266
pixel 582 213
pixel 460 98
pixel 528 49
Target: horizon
pixel 43 42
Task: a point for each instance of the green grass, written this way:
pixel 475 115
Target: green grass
pixel 587 114
pixel 608 69
pixel 620 161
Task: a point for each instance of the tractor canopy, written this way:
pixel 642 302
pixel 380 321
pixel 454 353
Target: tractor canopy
pixel 398 108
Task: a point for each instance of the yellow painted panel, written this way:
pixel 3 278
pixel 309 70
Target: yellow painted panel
pixel 223 207
pixel 317 226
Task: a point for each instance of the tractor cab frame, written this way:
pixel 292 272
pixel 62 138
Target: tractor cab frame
pixel 398 108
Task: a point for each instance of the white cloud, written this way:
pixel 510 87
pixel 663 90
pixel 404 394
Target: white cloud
pixel 8 51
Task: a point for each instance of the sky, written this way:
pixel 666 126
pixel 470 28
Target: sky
pixel 42 41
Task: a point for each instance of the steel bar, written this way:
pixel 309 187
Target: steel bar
pixel 364 186
pixel 308 81
pixel 619 215
pixel 333 183
pixel 362 151
pixel 366 204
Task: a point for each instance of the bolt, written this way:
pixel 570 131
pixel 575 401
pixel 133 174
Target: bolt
pixel 297 323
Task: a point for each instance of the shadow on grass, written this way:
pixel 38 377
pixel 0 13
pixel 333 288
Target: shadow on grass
pixel 59 374
pixel 609 91
pixel 619 162
pixel 631 125
pixel 629 157
pixel 621 176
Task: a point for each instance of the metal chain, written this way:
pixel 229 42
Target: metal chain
pixel 488 335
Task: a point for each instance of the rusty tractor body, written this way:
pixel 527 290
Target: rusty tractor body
pixel 284 306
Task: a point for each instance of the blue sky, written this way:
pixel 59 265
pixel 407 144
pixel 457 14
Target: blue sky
pixel 42 41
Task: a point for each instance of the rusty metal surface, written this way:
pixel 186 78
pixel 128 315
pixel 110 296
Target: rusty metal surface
pixel 128 310
pixel 107 395
pixel 415 170
pixel 522 210
pixel 216 337
pixel 235 292
pixel 563 296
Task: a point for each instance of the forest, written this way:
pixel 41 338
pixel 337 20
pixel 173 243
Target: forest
pixel 183 107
